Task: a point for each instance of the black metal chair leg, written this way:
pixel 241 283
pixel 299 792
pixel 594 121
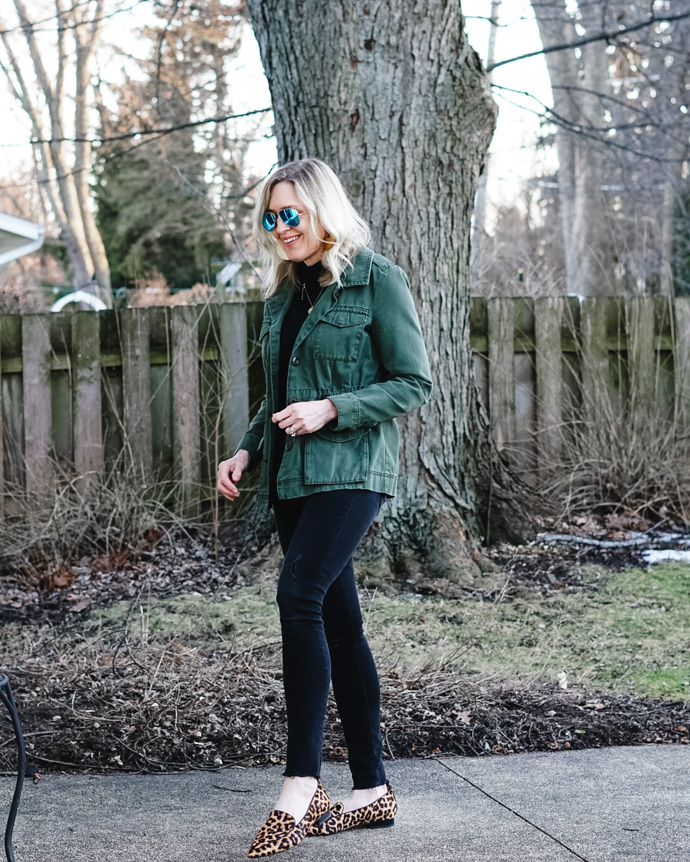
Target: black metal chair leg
pixel 8 700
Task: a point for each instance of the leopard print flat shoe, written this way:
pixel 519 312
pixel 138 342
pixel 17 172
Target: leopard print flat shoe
pixel 376 815
pixel 280 832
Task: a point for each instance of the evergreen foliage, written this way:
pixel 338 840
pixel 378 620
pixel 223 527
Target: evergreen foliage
pixel 160 198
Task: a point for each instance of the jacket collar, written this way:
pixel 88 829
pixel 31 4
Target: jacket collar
pixel 359 269
pixel 357 272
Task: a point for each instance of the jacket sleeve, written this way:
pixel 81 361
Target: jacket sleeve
pixel 397 336
pixel 253 440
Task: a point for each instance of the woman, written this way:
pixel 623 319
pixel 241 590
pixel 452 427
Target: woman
pixel 343 355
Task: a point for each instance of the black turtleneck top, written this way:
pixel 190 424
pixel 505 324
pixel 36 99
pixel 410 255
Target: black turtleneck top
pixel 306 294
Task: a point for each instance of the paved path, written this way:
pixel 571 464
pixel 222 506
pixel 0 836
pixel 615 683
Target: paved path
pixel 608 804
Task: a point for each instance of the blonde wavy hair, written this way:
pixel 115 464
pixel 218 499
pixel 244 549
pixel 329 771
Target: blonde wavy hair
pixel 327 202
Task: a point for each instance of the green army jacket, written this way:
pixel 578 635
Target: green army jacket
pixel 362 347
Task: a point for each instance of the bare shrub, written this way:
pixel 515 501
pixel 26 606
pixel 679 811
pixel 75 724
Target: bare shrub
pixel 39 540
pixel 617 459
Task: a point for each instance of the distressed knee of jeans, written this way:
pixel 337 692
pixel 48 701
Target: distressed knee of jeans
pixel 293 567
pixel 288 588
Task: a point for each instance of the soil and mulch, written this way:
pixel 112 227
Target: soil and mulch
pixel 100 705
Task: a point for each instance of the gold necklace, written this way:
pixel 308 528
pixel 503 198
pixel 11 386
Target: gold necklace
pixel 311 304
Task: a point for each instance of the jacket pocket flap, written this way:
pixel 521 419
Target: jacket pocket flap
pixel 346 316
pixel 343 436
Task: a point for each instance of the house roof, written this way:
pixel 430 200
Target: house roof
pixel 18 237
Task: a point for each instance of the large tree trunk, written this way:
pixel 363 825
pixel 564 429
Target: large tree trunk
pixel 673 199
pixel 395 100
pixel 577 82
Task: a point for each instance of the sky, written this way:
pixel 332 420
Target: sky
pixel 514 157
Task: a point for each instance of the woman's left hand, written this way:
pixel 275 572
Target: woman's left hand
pixel 305 417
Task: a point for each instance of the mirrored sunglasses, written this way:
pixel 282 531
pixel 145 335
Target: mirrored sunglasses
pixel 288 216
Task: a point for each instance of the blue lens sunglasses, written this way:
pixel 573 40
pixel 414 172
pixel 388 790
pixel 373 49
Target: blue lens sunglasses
pixel 289 216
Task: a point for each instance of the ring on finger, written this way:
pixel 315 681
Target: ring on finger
pixel 291 431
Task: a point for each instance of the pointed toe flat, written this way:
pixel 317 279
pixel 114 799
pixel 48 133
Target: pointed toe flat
pixel 280 832
pixel 376 815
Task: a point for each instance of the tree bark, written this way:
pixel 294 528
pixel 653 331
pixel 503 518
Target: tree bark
pixel 577 82
pixel 85 38
pixel 677 155
pixel 395 100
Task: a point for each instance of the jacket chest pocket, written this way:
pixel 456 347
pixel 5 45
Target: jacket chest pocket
pixel 339 334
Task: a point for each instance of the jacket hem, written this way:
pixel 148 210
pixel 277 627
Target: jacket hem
pixel 386 485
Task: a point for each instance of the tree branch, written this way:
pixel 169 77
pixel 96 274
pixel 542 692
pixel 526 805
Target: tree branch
pixel 582 131
pixel 144 132
pixel 604 36
pixel 39 68
pixel 159 56
pixel 36 29
pixel 62 58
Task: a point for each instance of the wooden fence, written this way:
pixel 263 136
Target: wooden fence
pixel 541 364
pixel 169 391
pixel 159 392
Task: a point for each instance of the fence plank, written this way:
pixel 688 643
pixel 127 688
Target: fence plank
pixel 524 448
pixel 548 313
pixel 186 424
pixel 87 424
pixel 135 323
pixel 681 359
pixel 640 326
pixel 595 358
pixel 37 403
pixel 501 334
pixel 235 382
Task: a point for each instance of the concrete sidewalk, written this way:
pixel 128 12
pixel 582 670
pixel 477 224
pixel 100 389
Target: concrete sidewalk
pixel 608 804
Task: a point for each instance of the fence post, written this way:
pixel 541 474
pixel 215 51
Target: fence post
pixel 548 313
pixel 501 337
pixel 681 359
pixel 235 380
pixel 186 420
pixel 36 354
pixel 136 388
pixel 87 424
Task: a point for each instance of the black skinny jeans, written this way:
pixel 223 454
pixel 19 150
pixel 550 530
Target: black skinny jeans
pixel 323 638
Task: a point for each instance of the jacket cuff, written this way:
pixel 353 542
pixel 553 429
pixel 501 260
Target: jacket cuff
pixel 348 411
pixel 252 444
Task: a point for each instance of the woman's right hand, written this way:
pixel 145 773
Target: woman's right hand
pixel 230 472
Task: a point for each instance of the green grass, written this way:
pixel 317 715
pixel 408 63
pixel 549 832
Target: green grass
pixel 249 618
pixel 626 632
pixel 629 633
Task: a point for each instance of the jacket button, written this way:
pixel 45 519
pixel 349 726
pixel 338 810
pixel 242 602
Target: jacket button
pixel 295 360
pixel 288 445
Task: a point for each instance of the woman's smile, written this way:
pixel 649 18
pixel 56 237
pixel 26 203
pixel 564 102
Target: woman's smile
pixel 297 242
